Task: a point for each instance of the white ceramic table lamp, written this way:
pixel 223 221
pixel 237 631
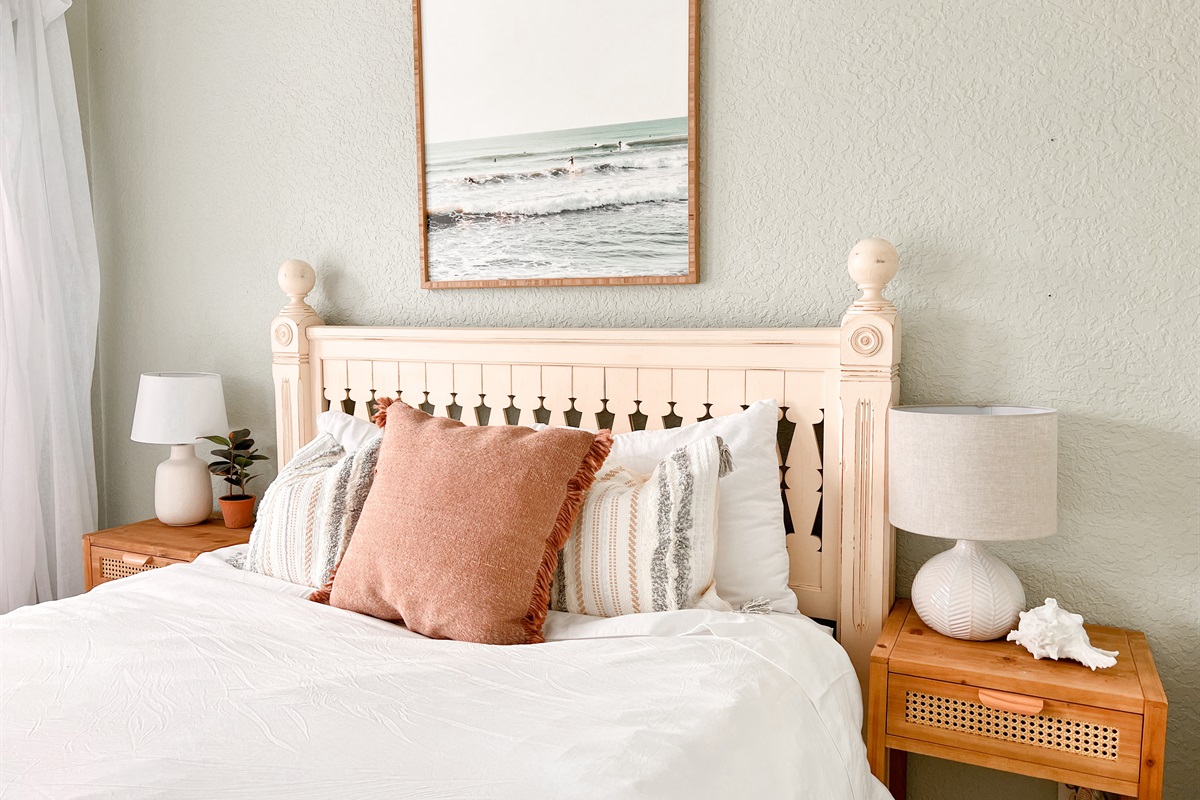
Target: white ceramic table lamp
pixel 176 408
pixel 975 474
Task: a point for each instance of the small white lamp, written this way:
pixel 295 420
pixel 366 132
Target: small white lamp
pixel 975 474
pixel 176 408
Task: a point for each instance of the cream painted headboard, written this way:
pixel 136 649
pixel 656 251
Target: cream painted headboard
pixel 833 385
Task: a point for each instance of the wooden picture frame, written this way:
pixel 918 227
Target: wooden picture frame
pixel 461 221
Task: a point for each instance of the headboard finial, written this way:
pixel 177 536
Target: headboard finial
pixel 872 263
pixel 297 278
pixel 291 370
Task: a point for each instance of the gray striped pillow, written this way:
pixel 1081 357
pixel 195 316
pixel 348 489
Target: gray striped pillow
pixel 308 513
pixel 646 542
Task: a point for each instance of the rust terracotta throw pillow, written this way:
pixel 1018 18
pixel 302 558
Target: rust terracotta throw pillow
pixel 460 534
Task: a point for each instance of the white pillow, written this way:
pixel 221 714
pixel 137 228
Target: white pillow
pixel 350 432
pixel 752 560
pixel 646 542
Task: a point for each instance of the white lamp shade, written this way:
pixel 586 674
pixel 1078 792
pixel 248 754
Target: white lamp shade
pixel 973 472
pixel 179 407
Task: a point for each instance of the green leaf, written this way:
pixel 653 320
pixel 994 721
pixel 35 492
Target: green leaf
pixel 222 453
pixel 244 444
pixel 217 440
pixel 239 435
pixel 219 467
pixel 242 461
pixel 232 481
pixel 249 478
pixel 259 457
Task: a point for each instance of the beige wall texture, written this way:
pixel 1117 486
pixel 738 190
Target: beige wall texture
pixel 1035 164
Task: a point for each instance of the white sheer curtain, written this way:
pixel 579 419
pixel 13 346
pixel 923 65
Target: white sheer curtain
pixel 49 302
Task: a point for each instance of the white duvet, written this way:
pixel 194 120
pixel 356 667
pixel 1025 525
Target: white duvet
pixel 204 681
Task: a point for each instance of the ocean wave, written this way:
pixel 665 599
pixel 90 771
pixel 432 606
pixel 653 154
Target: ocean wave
pixel 616 148
pixel 669 161
pixel 536 207
pixel 659 141
pixel 664 161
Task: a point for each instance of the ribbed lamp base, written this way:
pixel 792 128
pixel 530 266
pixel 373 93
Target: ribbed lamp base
pixel 968 593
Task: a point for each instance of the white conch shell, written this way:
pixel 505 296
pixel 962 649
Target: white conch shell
pixel 1052 632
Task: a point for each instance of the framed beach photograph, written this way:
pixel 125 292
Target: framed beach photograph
pixel 556 142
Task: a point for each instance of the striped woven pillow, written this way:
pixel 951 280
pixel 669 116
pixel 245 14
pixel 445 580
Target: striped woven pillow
pixel 646 542
pixel 308 513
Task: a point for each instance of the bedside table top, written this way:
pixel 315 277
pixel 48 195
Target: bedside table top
pixel 151 537
pixel 920 651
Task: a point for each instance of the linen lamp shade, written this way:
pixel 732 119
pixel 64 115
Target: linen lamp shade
pixel 975 474
pixel 176 408
pixel 985 473
pixel 179 407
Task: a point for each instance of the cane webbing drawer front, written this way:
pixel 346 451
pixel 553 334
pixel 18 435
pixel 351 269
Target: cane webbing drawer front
pixel 1068 736
pixel 110 565
pixel 1039 730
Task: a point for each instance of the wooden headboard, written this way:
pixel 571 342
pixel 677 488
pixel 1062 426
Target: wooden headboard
pixel 833 385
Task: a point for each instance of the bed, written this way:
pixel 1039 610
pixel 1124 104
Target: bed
pixel 207 680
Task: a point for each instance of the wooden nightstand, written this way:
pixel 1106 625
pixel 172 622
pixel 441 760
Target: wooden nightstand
pixel 993 704
pixel 130 549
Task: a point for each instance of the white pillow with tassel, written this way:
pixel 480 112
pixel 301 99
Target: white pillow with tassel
pixel 645 543
pixel 309 511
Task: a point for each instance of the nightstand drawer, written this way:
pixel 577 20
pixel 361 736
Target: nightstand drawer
pixel 109 565
pixel 139 546
pixel 1050 733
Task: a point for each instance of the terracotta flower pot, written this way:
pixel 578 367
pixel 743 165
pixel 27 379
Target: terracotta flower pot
pixel 238 510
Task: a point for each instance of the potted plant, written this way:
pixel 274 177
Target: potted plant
pixel 235 457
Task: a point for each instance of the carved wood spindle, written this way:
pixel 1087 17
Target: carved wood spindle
pixel 359 378
pixel 385 376
pixel 587 386
pixel 690 388
pixel 813 560
pixel 527 391
pixel 620 394
pixel 439 383
pixel 468 391
pixel 412 383
pixel 497 388
pixel 337 386
pixel 654 393
pixel 726 391
pixel 556 389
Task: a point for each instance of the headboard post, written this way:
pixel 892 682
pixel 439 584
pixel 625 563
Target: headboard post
pixel 869 386
pixel 291 370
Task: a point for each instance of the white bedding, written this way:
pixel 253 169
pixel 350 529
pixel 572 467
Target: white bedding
pixel 202 680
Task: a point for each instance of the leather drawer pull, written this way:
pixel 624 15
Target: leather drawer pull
pixel 135 559
pixel 1015 703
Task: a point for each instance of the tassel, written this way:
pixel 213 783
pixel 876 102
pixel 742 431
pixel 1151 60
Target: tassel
pixel 322 595
pixel 726 466
pixel 381 407
pixel 539 602
pixel 759 605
